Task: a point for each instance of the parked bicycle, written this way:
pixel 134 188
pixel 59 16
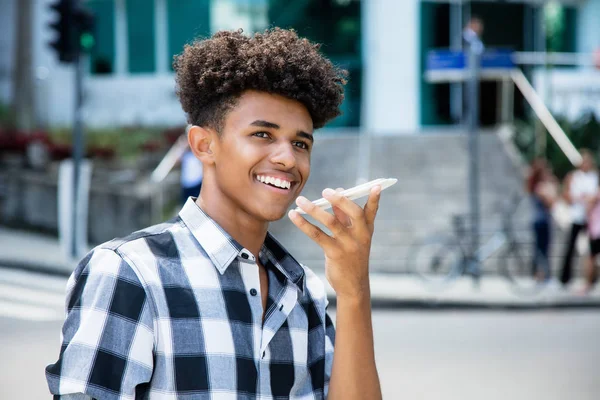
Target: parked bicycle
pixel 442 258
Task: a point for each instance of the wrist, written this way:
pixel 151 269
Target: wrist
pixel 356 297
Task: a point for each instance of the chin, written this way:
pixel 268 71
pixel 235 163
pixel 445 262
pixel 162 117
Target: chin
pixel 274 215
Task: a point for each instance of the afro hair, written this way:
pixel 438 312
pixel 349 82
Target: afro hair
pixel 212 73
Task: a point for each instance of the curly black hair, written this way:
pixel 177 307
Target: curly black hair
pixel 212 73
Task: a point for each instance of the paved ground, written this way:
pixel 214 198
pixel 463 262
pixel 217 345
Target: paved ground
pixel 427 354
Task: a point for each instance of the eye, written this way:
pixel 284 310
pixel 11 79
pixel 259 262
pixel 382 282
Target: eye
pixel 301 145
pixel 264 135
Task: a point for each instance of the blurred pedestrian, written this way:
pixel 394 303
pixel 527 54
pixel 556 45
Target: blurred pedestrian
pixel 542 186
pixel 594 236
pixel 191 176
pixel 472 34
pixel 472 44
pixel 579 185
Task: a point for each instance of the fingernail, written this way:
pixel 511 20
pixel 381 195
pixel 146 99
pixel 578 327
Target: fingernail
pixel 292 214
pixel 377 189
pixel 328 192
pixel 302 201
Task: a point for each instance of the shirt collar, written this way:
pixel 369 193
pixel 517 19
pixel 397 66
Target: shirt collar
pixel 222 249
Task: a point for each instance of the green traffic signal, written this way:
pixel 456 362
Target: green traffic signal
pixel 87 41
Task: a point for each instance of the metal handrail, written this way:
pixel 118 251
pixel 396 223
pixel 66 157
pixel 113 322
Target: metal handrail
pixel 545 116
pixel 170 159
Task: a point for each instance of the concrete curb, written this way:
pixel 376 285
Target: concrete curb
pixel 388 303
pixel 433 305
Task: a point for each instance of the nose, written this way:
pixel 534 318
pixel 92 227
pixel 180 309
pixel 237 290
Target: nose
pixel 284 155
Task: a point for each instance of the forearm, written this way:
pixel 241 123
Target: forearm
pixel 354 374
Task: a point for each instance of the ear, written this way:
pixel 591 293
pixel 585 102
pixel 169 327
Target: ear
pixel 201 141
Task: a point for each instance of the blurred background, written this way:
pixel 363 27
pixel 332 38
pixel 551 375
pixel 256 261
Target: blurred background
pixel 468 260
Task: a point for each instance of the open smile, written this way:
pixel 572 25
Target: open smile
pixel 278 184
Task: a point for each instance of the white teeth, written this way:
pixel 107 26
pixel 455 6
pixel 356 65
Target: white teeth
pixel 274 181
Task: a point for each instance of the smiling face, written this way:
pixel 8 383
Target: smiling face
pixel 260 161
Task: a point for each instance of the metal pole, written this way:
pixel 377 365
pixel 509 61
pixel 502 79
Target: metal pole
pixel 475 50
pixel 78 146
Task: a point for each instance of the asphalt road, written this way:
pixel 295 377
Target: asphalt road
pixel 421 354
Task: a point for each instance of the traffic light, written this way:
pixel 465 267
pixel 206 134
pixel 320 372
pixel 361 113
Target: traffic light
pixel 64 27
pixel 85 23
pixel 74 30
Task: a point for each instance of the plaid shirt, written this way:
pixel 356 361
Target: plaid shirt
pixel 175 312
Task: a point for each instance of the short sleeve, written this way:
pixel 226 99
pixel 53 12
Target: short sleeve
pixel 108 334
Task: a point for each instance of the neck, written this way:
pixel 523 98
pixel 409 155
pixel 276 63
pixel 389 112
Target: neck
pixel 241 226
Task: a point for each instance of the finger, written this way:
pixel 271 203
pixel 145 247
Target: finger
pixel 350 208
pixel 372 206
pixel 314 232
pixel 329 220
pixel 343 218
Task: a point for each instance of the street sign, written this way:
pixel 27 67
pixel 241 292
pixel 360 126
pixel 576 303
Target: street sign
pixel 457 60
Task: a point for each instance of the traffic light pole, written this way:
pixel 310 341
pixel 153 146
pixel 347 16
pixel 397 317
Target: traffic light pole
pixel 78 150
pixel 474 59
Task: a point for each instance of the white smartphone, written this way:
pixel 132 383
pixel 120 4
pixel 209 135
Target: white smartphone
pixel 354 193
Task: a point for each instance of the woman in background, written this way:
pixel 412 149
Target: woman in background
pixel 594 236
pixel 542 186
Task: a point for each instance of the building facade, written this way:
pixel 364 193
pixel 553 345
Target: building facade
pixel 383 44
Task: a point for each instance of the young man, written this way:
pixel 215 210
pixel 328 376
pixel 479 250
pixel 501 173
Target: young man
pixel 210 305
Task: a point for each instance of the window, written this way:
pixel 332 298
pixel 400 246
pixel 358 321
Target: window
pixel 102 57
pixel 336 24
pixel 187 19
pixel 140 35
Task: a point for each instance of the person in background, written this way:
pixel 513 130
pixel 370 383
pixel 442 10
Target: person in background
pixel 542 187
pixel 191 176
pixel 594 236
pixel 471 41
pixel 472 34
pixel 579 186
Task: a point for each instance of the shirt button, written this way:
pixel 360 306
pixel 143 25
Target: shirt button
pixel 253 292
pixel 245 256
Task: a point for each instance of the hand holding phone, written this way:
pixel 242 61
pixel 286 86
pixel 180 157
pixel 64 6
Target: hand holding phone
pixel 356 192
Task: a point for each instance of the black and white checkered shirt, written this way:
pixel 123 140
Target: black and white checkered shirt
pixel 175 312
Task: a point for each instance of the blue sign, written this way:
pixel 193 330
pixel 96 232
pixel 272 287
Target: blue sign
pixel 457 60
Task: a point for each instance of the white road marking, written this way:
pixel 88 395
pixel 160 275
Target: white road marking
pixel 29 312
pixel 33 280
pixel 31 296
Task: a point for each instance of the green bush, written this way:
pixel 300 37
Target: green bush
pixel 583 133
pixel 127 143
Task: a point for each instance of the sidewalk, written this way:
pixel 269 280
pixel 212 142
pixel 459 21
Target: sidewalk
pixel 35 252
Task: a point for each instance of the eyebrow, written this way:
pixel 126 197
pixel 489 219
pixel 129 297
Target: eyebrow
pixel 266 124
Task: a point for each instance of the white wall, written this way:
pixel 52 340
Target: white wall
pixel 588 29
pixel 573 92
pixel 391 67
pixel 7 37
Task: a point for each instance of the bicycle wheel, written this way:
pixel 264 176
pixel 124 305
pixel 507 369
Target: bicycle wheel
pixel 437 260
pixel 516 268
